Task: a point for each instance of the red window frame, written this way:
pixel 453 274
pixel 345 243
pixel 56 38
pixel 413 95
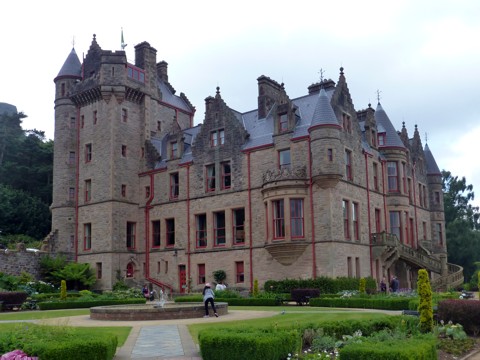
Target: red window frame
pixel 71 193
pixel 156 241
pixel 424 225
pixel 392 173
pixel 88 190
pixel 238 222
pixel 278 212
pixel 346 219
pixel 210 184
pixel 170 232
pixel 124 115
pixel 87 236
pixel 330 154
pixel 239 272
pixel 88 152
pixel 219 229
pixel 296 219
pixel 82 121
pixel 147 191
pixel 173 150
pixel 174 186
pixel 378 223
pixel 71 157
pixel 382 138
pixel 131 234
pixel 355 222
pixel 348 165
pixel 375 176
pixel 439 232
pixel 201 230
pixel 201 274
pixel 226 175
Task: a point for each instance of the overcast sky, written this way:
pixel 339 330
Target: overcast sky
pixel 423 56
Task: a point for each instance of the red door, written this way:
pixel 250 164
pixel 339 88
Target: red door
pixel 182 276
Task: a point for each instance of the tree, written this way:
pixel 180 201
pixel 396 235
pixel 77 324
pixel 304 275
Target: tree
pixel 425 308
pixel 79 275
pixel 461 223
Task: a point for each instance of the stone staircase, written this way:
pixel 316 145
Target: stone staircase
pixel 387 248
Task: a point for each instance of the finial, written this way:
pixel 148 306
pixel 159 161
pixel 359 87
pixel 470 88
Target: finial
pixel 403 124
pixel 369 105
pixel 378 95
pixel 218 90
pixel 341 70
pixel 122 42
pixel 94 37
pixel 321 72
pixel 426 137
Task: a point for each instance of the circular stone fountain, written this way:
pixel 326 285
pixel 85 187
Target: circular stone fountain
pixel 154 311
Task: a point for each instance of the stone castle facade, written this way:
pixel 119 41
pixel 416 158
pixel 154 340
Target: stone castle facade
pixel 297 188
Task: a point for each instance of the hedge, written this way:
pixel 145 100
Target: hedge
pixel 409 349
pixel 464 312
pixel 231 301
pixel 324 284
pixel 56 305
pixel 64 343
pixel 12 298
pixel 363 303
pixel 248 343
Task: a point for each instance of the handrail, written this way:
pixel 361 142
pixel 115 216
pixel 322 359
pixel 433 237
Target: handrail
pixel 455 272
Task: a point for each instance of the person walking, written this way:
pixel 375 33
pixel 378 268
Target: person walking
pixel 208 296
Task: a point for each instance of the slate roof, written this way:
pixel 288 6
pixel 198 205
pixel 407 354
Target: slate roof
pixel 432 167
pixel 71 66
pixel 168 96
pixel 383 122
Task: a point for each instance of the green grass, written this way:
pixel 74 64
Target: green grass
pixel 121 332
pixel 34 315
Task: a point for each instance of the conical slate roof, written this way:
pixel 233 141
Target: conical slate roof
pixel 391 139
pixel 432 167
pixel 72 66
pixel 323 113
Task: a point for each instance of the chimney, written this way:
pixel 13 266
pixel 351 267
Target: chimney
pixel 162 71
pixel 269 92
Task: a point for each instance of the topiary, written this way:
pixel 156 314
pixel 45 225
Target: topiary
pixel 425 306
pixel 362 287
pixel 63 290
pixel 255 288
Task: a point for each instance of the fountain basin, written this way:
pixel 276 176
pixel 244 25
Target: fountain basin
pixel 152 311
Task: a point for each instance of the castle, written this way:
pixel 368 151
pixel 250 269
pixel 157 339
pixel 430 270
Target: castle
pixel 297 188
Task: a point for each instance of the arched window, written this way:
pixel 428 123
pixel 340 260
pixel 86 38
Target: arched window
pixel 129 270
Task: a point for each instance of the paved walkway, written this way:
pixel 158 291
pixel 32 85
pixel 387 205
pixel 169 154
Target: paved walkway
pixel 158 339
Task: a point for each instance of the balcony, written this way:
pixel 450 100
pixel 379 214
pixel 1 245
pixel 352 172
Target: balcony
pixel 286 252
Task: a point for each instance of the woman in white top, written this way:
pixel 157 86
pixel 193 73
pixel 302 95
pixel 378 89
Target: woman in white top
pixel 208 296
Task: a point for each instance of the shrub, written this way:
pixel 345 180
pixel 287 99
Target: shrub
pixel 303 296
pixel 465 312
pixel 13 298
pixel 63 290
pixel 362 288
pixel 255 288
pixel 425 307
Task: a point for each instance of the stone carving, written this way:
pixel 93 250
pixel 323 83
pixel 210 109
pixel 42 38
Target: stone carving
pixel 296 173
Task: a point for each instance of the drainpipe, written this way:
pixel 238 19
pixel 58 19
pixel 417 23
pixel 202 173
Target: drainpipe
pixel 415 205
pixel 250 220
pixel 188 224
pixel 384 195
pixel 312 217
pixel 368 213
pixel 77 183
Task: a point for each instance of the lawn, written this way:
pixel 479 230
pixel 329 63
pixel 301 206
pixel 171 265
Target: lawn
pixel 121 332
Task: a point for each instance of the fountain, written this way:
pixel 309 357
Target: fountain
pixel 160 309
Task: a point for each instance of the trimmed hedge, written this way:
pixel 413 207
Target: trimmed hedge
pixel 410 349
pixel 303 296
pixel 64 343
pixel 464 312
pixel 326 285
pixel 12 298
pixel 247 343
pixel 363 303
pixel 56 305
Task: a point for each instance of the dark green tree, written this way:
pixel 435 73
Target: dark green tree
pixel 77 275
pixel 461 222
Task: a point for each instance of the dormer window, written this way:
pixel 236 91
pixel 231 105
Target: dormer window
pixel 283 122
pixel 217 138
pixel 173 150
pixel 382 138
